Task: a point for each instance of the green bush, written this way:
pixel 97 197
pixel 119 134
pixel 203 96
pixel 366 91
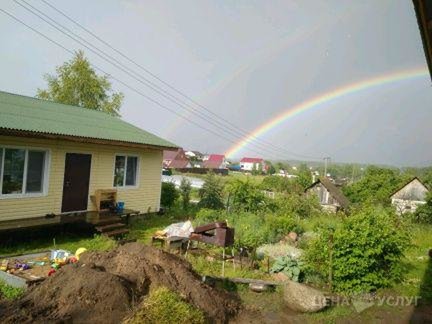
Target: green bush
pixel 278 226
pixel 251 230
pixel 163 306
pixel 301 206
pixel 9 292
pixel 211 193
pixel 376 185
pixel 185 192
pixel 423 213
pixel 246 196
pixel 366 250
pixel 169 194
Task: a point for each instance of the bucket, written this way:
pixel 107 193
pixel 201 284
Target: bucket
pixel 120 206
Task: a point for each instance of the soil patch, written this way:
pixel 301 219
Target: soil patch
pixel 104 287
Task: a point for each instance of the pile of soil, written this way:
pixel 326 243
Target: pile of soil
pixel 105 286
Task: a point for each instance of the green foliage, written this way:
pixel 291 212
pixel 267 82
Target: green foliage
pixel 169 194
pixel 300 206
pixel 211 193
pixel 245 195
pixel 304 176
pixel 270 168
pixel 9 292
pixel 77 83
pixel 185 192
pixel 282 184
pixel 289 266
pixel 364 251
pixel 165 306
pixel 423 213
pixel 376 185
pixel 252 230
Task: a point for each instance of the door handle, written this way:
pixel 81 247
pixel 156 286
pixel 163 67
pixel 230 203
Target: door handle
pixel 67 183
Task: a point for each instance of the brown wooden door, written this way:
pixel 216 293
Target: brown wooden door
pixel 76 182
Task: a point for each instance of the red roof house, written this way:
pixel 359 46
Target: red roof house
pixel 175 159
pixel 215 161
pixel 250 164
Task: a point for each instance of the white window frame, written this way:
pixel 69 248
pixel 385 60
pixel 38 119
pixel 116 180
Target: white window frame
pixel 45 178
pixel 137 175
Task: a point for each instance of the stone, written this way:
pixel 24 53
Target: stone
pixel 302 298
pixel 293 236
pixel 280 276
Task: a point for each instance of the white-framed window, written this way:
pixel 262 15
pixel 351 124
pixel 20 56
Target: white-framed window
pixel 126 171
pixel 23 172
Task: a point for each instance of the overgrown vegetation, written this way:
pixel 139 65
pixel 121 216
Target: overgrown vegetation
pixel 363 253
pixel 8 292
pixel 164 306
pixel 289 266
pixel 185 192
pixel 211 194
pixel 169 194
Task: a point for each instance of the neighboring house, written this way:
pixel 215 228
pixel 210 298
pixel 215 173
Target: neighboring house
pixel 409 197
pixel 252 164
pixel 194 155
pixel 330 196
pixel 55 157
pixel 215 161
pixel 175 159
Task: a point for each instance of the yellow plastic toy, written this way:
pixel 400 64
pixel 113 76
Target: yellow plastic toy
pixel 79 252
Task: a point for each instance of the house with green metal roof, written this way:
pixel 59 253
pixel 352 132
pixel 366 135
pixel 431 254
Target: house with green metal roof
pixel 60 160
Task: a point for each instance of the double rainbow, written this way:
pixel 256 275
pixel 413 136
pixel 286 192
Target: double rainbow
pixel 323 99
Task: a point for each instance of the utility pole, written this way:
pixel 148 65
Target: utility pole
pixel 326 160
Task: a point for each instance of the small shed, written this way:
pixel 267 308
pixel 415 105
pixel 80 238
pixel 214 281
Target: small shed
pixel 330 197
pixel 410 196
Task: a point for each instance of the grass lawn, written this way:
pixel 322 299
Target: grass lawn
pixel 417 280
pixel 51 239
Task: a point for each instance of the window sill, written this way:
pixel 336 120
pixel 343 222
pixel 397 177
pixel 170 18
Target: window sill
pixel 127 188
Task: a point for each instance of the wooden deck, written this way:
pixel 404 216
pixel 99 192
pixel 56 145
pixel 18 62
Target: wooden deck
pixel 94 218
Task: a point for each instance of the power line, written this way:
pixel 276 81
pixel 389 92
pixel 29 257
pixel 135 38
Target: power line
pixel 118 80
pixel 226 122
pixel 123 68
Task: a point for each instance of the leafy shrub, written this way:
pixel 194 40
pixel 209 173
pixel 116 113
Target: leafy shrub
pixel 278 226
pixel 247 196
pixel 289 266
pixel 251 230
pixel 367 249
pixel 164 306
pixel 423 213
pixel 185 192
pixel 211 193
pixel 169 194
pixel 9 292
pixel 300 206
pixel 376 185
pixel 206 215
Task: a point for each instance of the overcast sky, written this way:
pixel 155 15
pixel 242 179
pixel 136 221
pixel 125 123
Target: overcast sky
pixel 247 61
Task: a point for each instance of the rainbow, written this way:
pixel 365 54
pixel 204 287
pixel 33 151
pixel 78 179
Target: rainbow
pixel 322 100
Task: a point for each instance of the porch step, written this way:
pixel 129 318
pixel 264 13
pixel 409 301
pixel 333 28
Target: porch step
pixel 108 221
pixel 116 232
pixel 109 227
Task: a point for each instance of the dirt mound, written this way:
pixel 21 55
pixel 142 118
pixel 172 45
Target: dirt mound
pixel 105 286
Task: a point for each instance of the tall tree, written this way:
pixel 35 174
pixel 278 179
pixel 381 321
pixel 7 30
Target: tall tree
pixel 76 83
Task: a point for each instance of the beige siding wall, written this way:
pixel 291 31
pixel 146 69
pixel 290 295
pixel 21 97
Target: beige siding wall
pixel 145 197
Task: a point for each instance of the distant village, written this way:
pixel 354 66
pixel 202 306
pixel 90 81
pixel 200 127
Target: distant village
pixel 328 190
pixel 197 162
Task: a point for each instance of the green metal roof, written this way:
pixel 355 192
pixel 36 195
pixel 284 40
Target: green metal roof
pixel 29 114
